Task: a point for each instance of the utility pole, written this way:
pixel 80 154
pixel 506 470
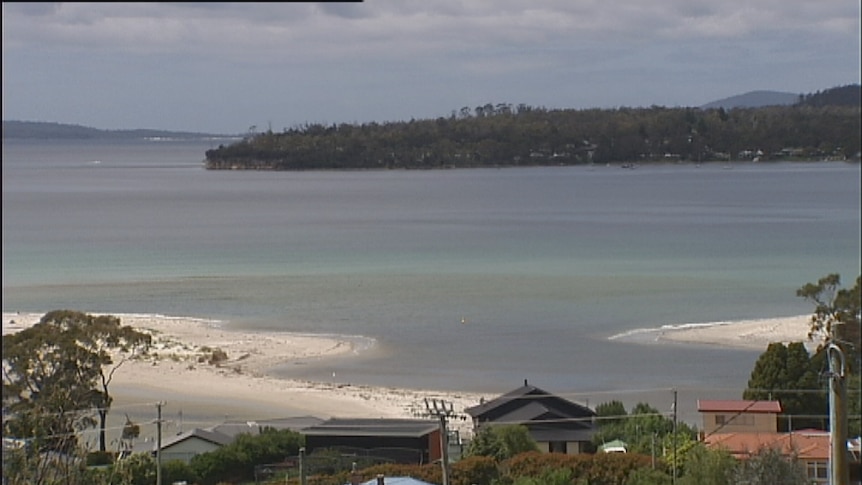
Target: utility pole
pixel 302 466
pixel 652 450
pixel 839 471
pixel 442 410
pixel 673 475
pixel 159 443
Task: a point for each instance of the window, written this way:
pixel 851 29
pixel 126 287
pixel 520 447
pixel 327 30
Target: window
pixel 734 420
pixel 818 470
pixel 557 447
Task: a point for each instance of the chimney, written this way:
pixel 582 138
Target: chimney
pixel 380 479
pixel 525 382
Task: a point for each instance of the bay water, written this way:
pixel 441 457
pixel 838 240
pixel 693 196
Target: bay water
pixel 471 279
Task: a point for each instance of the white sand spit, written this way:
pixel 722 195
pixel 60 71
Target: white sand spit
pixel 177 370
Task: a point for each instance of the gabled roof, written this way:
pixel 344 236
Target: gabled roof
pixel 201 434
pixel 527 403
pixel 411 428
pixel 806 446
pixel 740 406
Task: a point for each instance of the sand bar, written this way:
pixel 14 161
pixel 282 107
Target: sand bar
pixel 754 334
pixel 239 387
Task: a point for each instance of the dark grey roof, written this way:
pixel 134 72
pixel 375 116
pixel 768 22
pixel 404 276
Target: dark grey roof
pixel 529 411
pixel 527 396
pixel 486 406
pixel 413 428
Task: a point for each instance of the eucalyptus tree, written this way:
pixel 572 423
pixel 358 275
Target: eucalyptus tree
pixel 836 317
pixel 57 372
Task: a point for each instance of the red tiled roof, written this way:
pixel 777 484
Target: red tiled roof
pixel 806 446
pixel 714 406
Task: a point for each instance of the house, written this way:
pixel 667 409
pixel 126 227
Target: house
pixel 557 425
pixel 811 448
pixel 739 415
pixel 408 441
pixel 185 446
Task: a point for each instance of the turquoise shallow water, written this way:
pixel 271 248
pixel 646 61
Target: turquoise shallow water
pixel 543 264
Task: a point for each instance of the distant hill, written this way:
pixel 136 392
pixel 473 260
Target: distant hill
pixel 850 95
pixel 754 99
pixel 45 130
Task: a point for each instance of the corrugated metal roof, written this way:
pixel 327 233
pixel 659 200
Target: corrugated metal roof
pixel 372 427
pixel 738 406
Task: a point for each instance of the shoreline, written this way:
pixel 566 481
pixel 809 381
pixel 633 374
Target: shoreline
pixel 239 388
pixel 753 334
pixel 176 372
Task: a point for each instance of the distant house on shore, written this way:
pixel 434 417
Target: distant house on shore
pixel 557 425
pixel 727 416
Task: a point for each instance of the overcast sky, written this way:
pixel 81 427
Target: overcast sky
pixel 223 67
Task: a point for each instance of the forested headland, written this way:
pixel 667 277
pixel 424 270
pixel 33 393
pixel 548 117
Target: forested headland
pixel 504 135
pixel 40 130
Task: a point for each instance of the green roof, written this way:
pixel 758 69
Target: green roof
pixel 614 444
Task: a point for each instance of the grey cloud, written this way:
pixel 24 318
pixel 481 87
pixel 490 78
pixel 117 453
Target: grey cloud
pixel 345 10
pixel 30 8
pixel 428 54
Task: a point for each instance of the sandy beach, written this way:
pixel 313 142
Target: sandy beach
pixel 197 393
pixel 745 334
pixel 238 388
pixel 755 334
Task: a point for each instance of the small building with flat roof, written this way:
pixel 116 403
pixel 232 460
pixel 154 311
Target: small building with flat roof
pixel 408 441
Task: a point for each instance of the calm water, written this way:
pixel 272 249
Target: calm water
pixel 542 264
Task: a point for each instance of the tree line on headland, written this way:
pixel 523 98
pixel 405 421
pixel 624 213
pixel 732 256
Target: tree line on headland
pixel 821 126
pixel 40 130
